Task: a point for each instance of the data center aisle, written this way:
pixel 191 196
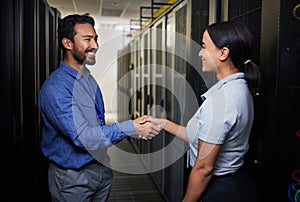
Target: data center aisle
pixel 133 187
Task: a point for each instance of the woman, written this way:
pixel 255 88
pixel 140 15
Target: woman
pixel 218 133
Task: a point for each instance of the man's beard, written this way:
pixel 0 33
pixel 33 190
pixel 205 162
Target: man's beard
pixel 81 58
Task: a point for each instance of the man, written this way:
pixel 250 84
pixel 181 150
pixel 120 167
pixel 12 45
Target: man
pixel 75 137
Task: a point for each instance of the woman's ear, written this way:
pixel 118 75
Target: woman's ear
pixel 224 53
pixel 67 43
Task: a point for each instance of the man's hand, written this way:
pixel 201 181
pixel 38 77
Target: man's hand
pixel 145 128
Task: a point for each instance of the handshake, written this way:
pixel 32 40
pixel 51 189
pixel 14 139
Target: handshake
pixel 147 127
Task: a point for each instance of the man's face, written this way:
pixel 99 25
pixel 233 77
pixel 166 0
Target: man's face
pixel 85 44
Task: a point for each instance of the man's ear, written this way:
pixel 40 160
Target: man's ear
pixel 67 43
pixel 224 53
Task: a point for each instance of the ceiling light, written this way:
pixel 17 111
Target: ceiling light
pixel 114 4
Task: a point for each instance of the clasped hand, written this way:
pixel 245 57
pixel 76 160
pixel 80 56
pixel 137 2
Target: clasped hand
pixel 147 127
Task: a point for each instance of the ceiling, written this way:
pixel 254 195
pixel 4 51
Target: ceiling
pixel 110 14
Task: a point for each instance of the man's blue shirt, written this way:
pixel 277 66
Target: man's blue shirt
pixel 74 130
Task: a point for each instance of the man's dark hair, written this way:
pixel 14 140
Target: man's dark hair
pixel 67 24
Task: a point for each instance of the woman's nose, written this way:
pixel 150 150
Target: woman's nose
pixel 200 53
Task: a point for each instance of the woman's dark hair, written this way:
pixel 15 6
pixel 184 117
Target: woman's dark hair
pixel 67 24
pixel 238 39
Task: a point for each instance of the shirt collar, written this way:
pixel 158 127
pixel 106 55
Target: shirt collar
pixel 70 70
pixel 219 84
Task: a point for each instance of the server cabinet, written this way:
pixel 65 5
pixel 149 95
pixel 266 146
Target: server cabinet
pixel 249 12
pixel 280 48
pixel 158 89
pixel 145 85
pixel 137 91
pixel 145 69
pixel 10 102
pixel 124 78
pixel 137 78
pixel 178 33
pixel 26 58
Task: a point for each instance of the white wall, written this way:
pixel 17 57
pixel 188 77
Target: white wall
pixel 105 69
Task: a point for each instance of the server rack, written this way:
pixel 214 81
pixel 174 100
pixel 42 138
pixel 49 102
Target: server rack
pixel 280 48
pixel 158 94
pixel 124 78
pixel 26 61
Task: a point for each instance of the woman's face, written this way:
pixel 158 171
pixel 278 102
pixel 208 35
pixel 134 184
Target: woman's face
pixel 209 54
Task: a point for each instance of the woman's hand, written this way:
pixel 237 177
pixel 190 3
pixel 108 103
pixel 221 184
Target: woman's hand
pixel 145 128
